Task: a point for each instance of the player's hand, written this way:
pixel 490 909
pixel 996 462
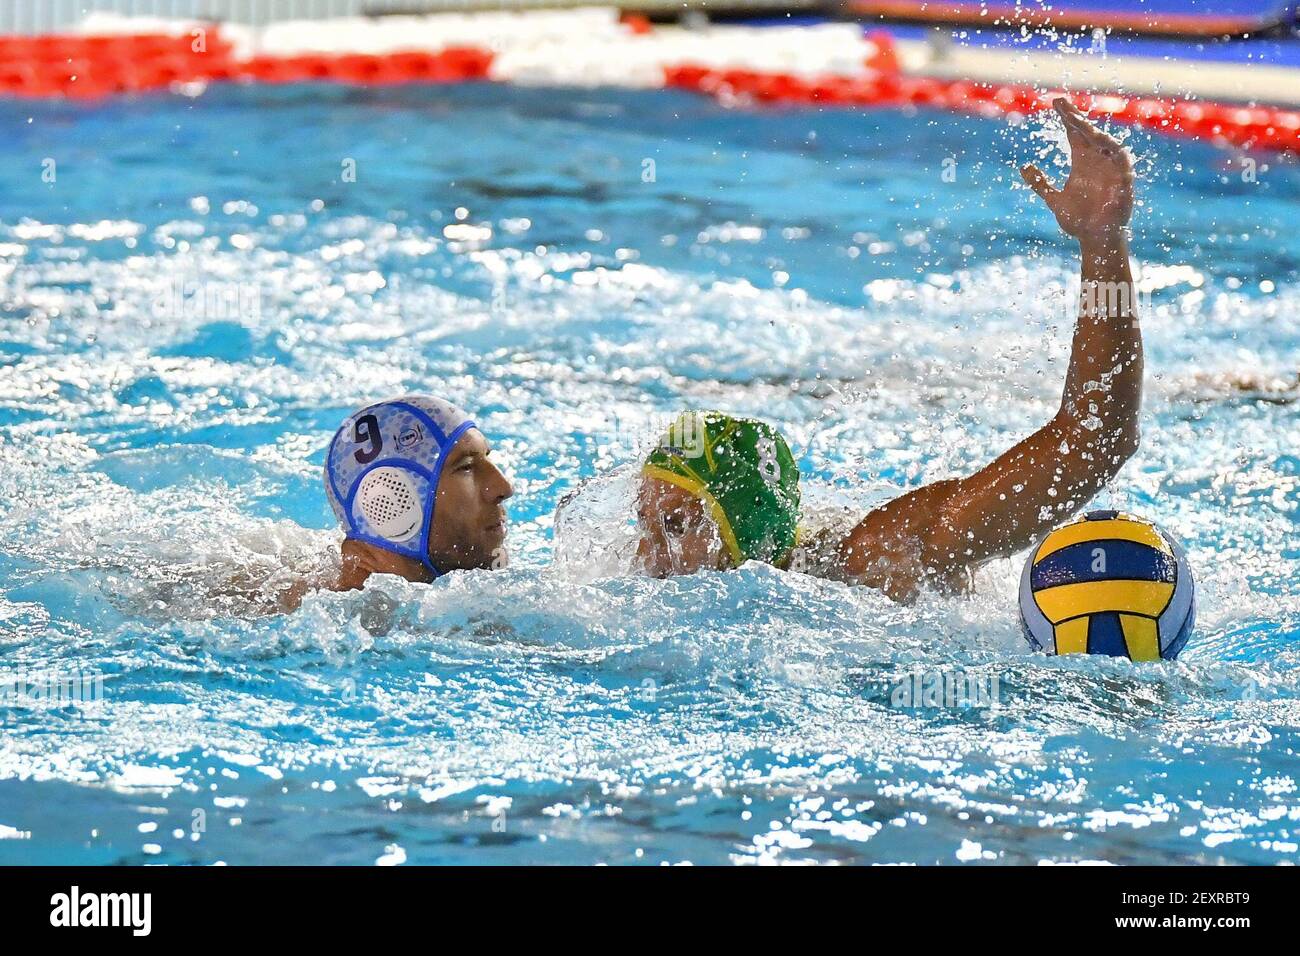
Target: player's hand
pixel 1097 200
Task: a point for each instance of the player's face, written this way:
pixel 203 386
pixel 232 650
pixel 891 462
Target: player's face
pixel 469 522
pixel 677 534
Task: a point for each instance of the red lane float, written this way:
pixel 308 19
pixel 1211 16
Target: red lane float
pixel 89 67
pixel 1224 124
pixel 86 67
pixel 452 65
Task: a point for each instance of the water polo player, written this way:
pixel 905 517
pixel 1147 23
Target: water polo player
pixel 410 481
pixel 720 490
pixel 717 491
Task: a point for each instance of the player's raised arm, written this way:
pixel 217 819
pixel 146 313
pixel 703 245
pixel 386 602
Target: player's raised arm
pixel 943 531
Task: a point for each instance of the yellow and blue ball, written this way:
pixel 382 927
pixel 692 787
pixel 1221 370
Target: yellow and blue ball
pixel 1108 583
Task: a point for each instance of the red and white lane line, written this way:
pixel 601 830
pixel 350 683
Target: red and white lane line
pixel 832 64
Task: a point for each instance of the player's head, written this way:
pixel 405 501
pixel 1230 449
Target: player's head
pixel 411 476
pixel 717 491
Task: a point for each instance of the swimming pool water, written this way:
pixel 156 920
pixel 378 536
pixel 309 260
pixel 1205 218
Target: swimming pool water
pixel 195 291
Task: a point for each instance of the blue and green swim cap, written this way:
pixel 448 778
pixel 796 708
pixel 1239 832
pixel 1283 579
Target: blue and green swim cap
pixel 743 471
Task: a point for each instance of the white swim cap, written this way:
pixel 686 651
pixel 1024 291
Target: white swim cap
pixel 382 470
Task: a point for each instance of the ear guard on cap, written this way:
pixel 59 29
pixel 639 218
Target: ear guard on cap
pixel 382 471
pixel 388 500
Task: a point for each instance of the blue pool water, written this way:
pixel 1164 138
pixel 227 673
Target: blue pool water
pixel 617 257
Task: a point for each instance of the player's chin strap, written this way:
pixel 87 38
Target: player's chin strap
pixel 428 563
pixel 425 535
